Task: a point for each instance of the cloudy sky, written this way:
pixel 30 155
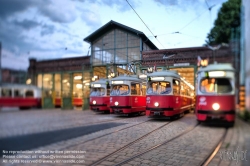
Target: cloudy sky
pixel 51 29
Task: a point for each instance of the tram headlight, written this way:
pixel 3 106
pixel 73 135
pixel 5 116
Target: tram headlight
pixel 156 104
pixel 94 102
pixel 216 106
pixel 116 103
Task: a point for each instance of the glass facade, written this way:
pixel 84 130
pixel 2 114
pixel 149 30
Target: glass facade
pixel 111 54
pixel 118 47
pixel 66 85
pixel 77 85
pixel 57 81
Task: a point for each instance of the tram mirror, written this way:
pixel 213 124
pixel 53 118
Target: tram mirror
pixel 206 74
pixel 107 84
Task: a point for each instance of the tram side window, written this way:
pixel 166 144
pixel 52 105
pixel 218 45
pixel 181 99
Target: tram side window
pixel 182 88
pixel 176 87
pixel 144 87
pixel 6 93
pixel 18 93
pixel 29 93
pixel 187 92
pixel 135 89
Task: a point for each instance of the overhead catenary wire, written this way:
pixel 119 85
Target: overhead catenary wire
pixel 191 21
pixel 145 24
pixel 210 8
pixel 178 32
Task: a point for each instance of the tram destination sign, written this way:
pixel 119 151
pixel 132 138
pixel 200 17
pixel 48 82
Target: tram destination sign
pixel 181 64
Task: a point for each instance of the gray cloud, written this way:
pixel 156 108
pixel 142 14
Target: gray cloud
pixel 91 19
pixel 122 5
pixel 47 30
pixel 13 40
pixel 187 4
pixel 10 7
pixel 63 13
pixel 26 24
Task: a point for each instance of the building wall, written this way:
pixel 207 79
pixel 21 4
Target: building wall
pixel 246 6
pixel 13 76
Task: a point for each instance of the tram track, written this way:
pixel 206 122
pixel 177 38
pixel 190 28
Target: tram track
pixel 155 147
pixel 106 134
pixel 113 120
pixel 128 145
pixel 215 150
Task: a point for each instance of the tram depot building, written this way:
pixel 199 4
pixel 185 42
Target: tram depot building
pixel 115 49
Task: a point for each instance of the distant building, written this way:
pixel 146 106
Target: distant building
pixel 14 76
pixel 115 49
pixel 66 81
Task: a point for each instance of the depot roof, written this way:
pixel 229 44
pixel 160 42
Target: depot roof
pixel 112 25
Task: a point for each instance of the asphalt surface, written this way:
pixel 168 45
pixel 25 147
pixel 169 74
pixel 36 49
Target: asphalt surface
pixel 31 141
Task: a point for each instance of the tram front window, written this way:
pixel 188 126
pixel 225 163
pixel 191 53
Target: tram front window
pixel 118 90
pixel 97 92
pixel 216 85
pixel 159 88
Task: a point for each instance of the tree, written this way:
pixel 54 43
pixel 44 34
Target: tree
pixel 228 19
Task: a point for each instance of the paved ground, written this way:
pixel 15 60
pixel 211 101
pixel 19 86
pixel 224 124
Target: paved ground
pixel 155 142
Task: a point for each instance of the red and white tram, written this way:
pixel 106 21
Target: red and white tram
pixel 128 95
pixel 168 95
pixel 22 96
pixel 99 96
pixel 215 93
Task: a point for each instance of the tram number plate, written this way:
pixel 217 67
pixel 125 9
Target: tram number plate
pixel 157 113
pixel 215 116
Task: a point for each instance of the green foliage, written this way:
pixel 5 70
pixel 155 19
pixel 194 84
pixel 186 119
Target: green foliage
pixel 245 115
pixel 227 21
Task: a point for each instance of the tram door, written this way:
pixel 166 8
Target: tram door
pixel 47 91
pixel 66 102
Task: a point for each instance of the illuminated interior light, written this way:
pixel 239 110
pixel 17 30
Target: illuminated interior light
pixel 78 77
pixel 97 85
pixel 157 78
pixel 79 86
pixel 28 81
pixel 117 82
pixel 216 73
pixel 143 76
